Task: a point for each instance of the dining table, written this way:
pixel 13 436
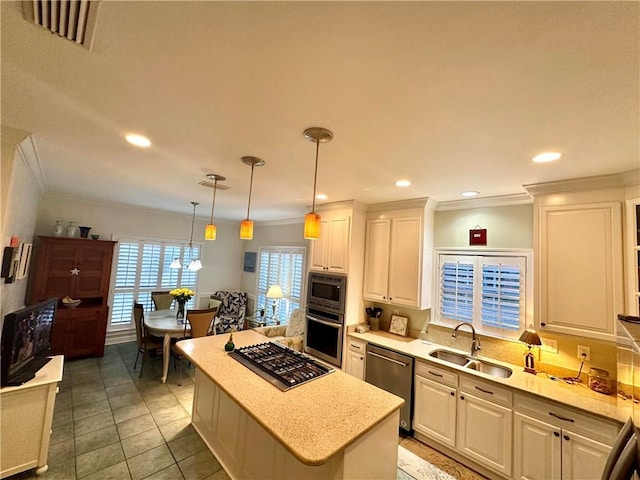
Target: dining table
pixel 163 323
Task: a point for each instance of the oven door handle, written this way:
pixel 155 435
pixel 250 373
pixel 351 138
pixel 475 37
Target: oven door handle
pixel 388 359
pixel 324 322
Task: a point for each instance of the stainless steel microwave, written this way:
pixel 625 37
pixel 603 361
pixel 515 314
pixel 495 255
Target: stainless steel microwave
pixel 327 292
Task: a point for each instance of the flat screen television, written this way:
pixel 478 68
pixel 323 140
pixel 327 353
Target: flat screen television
pixel 26 341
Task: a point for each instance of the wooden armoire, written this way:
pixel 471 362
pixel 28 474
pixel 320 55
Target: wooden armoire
pixel 81 269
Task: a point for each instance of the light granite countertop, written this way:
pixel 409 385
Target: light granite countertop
pixel 313 421
pixel 577 396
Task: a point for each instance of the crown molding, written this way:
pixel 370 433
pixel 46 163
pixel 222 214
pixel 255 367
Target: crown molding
pixel 499 201
pixel 599 182
pixel 423 202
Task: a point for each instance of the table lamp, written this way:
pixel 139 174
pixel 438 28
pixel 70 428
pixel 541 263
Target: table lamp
pixel 275 292
pixel 531 338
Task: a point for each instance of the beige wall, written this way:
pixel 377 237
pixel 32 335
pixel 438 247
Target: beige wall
pixel 507 227
pixel 20 195
pixel 221 259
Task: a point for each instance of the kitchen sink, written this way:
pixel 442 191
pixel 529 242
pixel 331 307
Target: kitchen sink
pixel 451 357
pixel 489 368
pixel 477 364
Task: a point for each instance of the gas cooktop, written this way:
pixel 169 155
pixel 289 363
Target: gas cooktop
pixel 281 366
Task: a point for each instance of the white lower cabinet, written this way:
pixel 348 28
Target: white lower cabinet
pixel 355 358
pixel 565 445
pixel 470 416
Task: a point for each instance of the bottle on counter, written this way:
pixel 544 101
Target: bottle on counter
pixel 599 380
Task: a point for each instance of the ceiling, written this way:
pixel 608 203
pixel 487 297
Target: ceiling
pixel 453 96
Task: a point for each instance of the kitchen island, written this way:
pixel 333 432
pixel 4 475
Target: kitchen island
pixel 332 427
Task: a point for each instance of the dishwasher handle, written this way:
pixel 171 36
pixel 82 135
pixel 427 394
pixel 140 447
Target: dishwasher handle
pixel 388 359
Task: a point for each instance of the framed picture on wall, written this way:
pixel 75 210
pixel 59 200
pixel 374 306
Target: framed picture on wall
pixel 249 262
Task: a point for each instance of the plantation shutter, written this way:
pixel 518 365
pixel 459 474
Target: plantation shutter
pixel 456 291
pixel 282 266
pixel 502 292
pixel 142 266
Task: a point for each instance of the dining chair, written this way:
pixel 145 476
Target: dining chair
pixel 200 322
pixel 627 430
pixel 162 300
pixel 145 343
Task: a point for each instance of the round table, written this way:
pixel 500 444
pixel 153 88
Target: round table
pixel 163 323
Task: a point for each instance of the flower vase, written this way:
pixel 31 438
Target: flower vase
pixel 180 313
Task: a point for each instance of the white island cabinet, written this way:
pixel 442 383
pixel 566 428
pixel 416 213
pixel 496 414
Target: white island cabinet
pixel 333 427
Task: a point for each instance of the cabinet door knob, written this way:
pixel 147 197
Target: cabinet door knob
pixel 542 324
pixel 453 393
pixel 556 434
pixel 566 437
pixel 461 397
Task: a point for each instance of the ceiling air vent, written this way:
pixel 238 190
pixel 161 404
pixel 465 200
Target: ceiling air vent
pixel 71 19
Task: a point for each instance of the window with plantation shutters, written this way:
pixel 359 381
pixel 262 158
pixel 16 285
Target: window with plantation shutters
pixel 141 267
pixel 492 292
pixel 282 266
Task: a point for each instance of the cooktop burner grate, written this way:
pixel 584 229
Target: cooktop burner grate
pixel 283 367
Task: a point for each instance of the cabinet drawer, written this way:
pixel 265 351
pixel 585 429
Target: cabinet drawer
pixel 595 428
pixel 427 370
pixel 486 390
pixel 356 346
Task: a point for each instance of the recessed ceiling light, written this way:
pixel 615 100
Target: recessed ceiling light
pixel 321 196
pixel 469 194
pixel 138 140
pixel 546 157
pixel 403 183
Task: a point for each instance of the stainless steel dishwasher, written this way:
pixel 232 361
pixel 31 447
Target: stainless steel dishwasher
pixel 393 372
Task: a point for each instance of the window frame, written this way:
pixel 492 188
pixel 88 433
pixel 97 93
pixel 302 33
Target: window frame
pixel 286 305
pixel 137 289
pixel 476 257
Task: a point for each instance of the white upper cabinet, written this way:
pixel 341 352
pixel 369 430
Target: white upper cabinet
pixel 632 252
pixel 330 252
pixel 398 253
pixel 578 254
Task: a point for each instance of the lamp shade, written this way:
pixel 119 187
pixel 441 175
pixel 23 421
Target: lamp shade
pixel 195 265
pixel 246 229
pixel 312 226
pixel 530 338
pixel 176 263
pixel 210 232
pixel 275 291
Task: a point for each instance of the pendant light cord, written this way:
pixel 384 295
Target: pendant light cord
pixel 193 220
pixel 250 188
pixel 213 205
pixel 315 178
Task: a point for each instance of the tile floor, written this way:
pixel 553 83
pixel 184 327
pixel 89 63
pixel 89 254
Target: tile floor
pixel 108 424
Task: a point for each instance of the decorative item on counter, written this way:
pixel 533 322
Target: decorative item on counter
pixel 69 302
pixel 531 338
pixel 182 296
pixel 58 228
pixel 71 229
pixel 599 380
pixel 399 325
pixel 95 237
pixel 374 315
pixel 229 346
pixel 84 232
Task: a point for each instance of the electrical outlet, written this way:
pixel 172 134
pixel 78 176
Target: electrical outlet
pixel 549 345
pixel 584 353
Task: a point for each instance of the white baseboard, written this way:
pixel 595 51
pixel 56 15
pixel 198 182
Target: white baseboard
pixel 120 336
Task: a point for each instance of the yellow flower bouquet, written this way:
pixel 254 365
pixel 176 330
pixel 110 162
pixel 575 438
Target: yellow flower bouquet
pixel 182 294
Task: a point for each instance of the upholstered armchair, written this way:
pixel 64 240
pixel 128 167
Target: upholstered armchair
pixel 231 311
pixel 291 334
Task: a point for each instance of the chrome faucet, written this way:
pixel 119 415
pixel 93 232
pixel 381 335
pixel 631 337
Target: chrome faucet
pixel 475 342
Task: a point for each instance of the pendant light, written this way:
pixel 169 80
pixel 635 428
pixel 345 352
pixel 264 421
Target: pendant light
pixel 210 229
pixel 195 263
pixel 246 227
pixel 312 220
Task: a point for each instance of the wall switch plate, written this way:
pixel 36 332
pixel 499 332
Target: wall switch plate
pixel 549 345
pixel 584 352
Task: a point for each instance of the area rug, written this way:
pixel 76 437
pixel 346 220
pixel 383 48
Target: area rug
pixel 412 467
